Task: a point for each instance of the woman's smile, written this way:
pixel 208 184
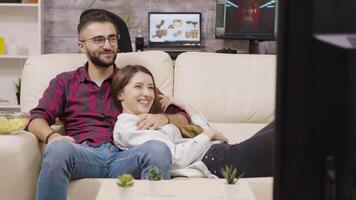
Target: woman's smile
pixel 138 95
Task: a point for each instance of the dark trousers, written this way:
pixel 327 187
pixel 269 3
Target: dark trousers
pixel 253 156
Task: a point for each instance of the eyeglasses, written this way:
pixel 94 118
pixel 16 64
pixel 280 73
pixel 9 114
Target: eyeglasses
pixel 100 40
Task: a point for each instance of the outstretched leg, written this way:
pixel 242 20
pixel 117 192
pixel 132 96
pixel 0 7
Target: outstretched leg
pixel 253 156
pixel 64 160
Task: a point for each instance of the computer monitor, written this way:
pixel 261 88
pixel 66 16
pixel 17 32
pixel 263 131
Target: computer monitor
pixel 316 101
pixel 245 19
pixel 174 29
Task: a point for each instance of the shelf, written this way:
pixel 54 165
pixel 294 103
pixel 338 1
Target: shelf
pixel 18 5
pixel 9 106
pixel 22 23
pixel 13 57
pixel 25 22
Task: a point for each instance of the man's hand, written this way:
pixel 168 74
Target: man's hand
pixel 151 121
pixel 167 100
pixel 58 136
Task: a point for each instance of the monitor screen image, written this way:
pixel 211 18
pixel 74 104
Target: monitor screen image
pixel 245 19
pixel 174 28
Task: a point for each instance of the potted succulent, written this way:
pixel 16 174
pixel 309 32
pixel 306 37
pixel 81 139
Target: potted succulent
pixel 125 189
pixel 154 175
pixel 231 187
pixel 18 90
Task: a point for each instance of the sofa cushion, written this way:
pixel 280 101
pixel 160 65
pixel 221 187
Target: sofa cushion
pixel 40 69
pixel 227 88
pixel 238 132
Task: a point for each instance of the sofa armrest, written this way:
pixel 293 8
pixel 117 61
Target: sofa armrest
pixel 20 157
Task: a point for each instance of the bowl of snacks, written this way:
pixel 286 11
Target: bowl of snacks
pixel 13 122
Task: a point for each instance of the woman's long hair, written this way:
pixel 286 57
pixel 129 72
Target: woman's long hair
pixel 123 77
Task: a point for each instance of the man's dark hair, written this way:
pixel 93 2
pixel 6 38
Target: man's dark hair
pixel 94 15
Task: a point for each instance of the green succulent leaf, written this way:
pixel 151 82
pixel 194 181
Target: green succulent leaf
pixel 230 174
pixel 129 21
pixel 18 85
pixel 125 180
pixel 155 174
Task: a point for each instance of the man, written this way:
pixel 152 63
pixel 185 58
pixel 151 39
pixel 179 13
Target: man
pixel 81 99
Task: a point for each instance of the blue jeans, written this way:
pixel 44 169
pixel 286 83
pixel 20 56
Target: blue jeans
pixel 64 161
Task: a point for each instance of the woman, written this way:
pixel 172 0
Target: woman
pixel 135 91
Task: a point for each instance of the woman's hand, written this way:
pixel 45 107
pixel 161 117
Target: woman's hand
pixel 215 135
pixel 151 121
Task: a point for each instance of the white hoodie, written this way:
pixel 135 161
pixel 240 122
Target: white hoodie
pixel 185 151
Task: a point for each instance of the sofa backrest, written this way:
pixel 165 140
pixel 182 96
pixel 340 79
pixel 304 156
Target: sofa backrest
pixel 227 88
pixel 40 69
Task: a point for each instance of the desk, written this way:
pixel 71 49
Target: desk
pixel 178 189
pixel 174 52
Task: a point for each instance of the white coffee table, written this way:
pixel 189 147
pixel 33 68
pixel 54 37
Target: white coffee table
pixel 178 189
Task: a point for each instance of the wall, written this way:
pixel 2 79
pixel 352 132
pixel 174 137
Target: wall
pixel 61 18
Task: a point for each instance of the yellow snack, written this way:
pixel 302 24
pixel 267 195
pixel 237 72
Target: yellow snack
pixel 4 125
pixel 12 125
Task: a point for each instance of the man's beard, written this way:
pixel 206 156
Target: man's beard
pixel 98 62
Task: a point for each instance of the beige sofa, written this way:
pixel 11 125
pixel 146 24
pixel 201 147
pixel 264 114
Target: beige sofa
pixel 235 92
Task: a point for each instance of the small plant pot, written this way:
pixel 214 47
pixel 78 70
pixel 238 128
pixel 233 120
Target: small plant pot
pixel 125 193
pixel 154 188
pixel 231 191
